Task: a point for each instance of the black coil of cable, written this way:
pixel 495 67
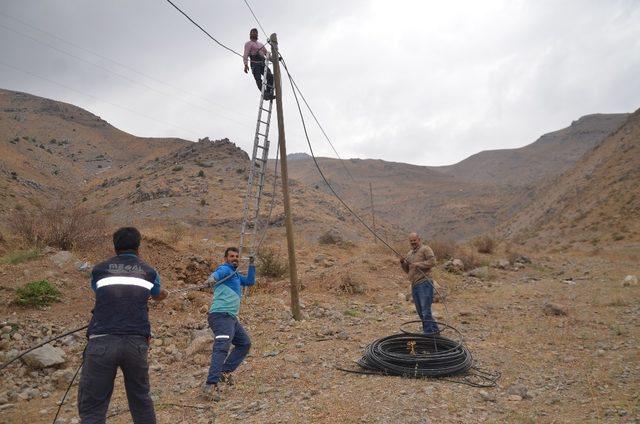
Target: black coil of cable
pixel 418 355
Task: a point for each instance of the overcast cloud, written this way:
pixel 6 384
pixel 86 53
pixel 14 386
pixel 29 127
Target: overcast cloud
pixel 423 82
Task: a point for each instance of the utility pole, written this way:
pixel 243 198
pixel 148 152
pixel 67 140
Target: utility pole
pixel 373 214
pixel 288 221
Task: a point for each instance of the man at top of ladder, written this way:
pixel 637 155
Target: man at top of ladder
pixel 256 51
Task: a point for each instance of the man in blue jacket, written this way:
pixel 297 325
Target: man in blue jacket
pixel 223 320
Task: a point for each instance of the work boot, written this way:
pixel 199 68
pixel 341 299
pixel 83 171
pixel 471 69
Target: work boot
pixel 227 378
pixel 211 391
pixel 269 96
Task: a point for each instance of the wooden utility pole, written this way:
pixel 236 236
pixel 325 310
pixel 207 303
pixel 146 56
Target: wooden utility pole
pixel 288 221
pixel 373 214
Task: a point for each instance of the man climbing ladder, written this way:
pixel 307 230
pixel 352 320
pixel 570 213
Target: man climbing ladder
pixel 257 53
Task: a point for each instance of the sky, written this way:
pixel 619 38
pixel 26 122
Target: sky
pixel 421 82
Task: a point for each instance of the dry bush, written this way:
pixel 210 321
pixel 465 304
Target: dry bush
pixel 443 248
pixel 484 244
pixel 330 237
pixel 175 231
pixel 271 264
pixel 469 259
pixel 349 285
pixel 61 224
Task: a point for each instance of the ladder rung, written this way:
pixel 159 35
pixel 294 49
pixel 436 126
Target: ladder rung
pixel 261 160
pixel 266 110
pixel 264 135
pixel 266 123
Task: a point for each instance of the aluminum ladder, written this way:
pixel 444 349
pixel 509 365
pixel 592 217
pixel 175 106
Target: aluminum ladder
pixel 255 185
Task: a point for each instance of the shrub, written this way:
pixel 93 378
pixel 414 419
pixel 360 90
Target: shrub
pixel 349 285
pixel 201 173
pixel 175 231
pixel 443 248
pixel 469 260
pixel 63 224
pixel 177 168
pixel 330 237
pixel 271 264
pixel 19 256
pixel 37 294
pixel 484 244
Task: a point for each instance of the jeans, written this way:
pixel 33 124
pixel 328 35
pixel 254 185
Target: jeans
pixel 102 358
pixel 257 69
pixel 227 331
pixel 423 298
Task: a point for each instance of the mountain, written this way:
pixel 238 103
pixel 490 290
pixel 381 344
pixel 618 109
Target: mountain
pixel 550 155
pixel 596 202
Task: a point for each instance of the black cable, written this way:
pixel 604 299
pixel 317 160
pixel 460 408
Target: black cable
pixel 315 160
pixel 203 30
pixel 69 388
pixel 417 355
pixel 3 366
pixel 258 21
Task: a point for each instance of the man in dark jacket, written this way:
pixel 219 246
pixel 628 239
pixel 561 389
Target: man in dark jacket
pixel 119 332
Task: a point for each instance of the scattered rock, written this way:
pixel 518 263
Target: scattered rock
pixel 83 266
pixel 61 258
pixel 554 309
pixel 514 398
pixel 16 336
pixel 630 281
pixel 487 397
pixel 480 272
pixel 198 345
pixel 519 390
pixel 455 266
pixel 270 353
pixel 501 264
pixel 45 356
pixel 62 378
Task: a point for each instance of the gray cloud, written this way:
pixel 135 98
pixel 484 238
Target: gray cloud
pixel 419 82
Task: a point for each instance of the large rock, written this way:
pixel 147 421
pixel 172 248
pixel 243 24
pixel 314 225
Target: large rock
pixel 480 272
pixel 455 266
pixel 44 357
pixel 630 281
pixel 554 309
pixel 61 258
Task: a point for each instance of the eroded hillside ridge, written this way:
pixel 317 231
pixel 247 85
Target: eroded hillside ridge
pixel 549 156
pixel 595 203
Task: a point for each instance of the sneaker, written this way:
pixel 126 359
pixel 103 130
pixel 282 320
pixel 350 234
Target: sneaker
pixel 226 377
pixel 211 391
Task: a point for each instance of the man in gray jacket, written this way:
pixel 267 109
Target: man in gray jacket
pixel 417 264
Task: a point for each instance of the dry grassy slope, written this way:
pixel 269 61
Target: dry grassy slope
pixel 597 202
pixel 412 197
pixel 53 146
pixel 549 156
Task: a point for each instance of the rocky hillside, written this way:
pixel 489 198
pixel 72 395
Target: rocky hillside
pixel 52 150
pixel 48 147
pixel 549 156
pixel 596 202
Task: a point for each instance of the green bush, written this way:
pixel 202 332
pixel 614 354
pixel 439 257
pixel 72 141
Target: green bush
pixel 37 294
pixel 271 264
pixel 19 256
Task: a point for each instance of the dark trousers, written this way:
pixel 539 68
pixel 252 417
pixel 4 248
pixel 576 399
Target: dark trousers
pixel 423 298
pixel 257 69
pixel 227 331
pixel 102 358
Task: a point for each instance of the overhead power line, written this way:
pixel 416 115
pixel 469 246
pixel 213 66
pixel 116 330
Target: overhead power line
pixel 124 66
pixel 203 30
pixel 122 76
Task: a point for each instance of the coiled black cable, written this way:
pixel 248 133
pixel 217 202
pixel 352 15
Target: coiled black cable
pixel 418 355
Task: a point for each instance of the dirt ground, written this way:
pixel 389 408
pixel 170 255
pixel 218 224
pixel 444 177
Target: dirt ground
pixel 582 365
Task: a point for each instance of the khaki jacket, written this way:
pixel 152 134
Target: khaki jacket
pixel 418 264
